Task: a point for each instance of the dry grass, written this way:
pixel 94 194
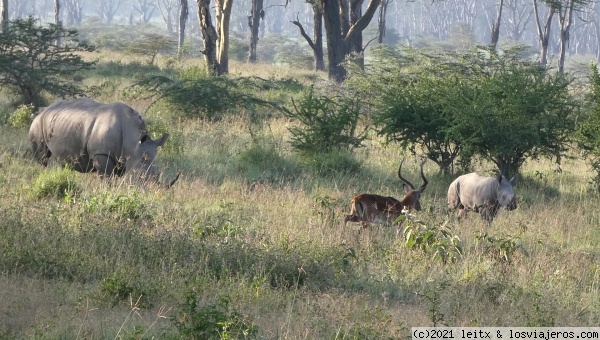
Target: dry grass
pixel 271 237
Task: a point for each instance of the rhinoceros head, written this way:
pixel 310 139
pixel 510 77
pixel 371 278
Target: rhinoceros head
pixel 505 194
pixel 141 160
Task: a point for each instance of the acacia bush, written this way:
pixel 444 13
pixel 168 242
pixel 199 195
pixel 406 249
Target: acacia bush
pixel 588 133
pixel 326 123
pixel 31 63
pixel 456 105
pixel 195 93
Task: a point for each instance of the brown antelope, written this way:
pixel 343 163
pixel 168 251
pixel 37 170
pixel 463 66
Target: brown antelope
pixel 371 208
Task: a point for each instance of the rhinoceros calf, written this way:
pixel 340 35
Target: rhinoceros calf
pixel 110 139
pixel 484 195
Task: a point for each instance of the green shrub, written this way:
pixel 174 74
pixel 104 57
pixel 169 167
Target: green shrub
pixel 150 44
pixel 195 93
pixel 122 287
pixel 55 182
pixel 213 321
pixel 21 118
pixel 326 123
pixel 588 133
pixel 439 242
pixel 38 66
pixel 124 205
pixel 501 248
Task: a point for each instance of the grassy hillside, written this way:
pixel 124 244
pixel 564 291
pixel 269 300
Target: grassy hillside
pixel 251 241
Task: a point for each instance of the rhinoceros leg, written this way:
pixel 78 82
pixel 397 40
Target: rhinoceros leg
pixel 41 152
pixel 105 165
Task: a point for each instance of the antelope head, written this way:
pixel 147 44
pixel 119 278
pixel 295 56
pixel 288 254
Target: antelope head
pixel 412 198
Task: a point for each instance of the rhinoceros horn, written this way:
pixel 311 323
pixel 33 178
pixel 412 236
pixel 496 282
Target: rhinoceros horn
pixel 169 185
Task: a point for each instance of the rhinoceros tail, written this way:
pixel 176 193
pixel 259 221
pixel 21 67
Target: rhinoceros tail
pixel 41 152
pixel 454 195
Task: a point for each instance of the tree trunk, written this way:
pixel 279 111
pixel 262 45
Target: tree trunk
pixel 381 21
pixel 209 36
pixel 336 46
pixel 565 19
pixel 57 22
pixel 223 18
pixel 496 26
pixel 146 9
pixel 318 37
pixel 256 13
pixel 340 42
pixel 316 44
pixel 356 43
pixel 4 16
pixel 543 32
pixel 183 16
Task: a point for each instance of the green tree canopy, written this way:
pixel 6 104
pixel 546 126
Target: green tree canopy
pixel 31 63
pixel 454 105
pixel 514 110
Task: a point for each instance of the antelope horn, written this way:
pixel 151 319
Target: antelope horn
pixel 425 182
pixel 404 180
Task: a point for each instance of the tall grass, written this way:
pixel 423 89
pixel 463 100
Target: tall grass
pixel 252 223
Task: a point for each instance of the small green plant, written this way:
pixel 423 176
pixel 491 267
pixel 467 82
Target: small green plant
pixel 214 321
pixel 434 240
pixel 434 311
pixel 22 117
pixel 501 248
pixel 326 123
pixel 122 287
pixel 325 208
pixel 55 182
pixel 126 205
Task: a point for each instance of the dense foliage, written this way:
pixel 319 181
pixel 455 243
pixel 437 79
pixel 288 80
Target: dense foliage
pixel 192 92
pixel 31 62
pixel 499 106
pixel 588 134
pixel 326 123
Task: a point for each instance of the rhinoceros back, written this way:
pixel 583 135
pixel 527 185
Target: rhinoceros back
pixel 471 191
pixel 81 131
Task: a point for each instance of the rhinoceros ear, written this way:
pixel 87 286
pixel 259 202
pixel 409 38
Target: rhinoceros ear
pixel 514 180
pixel 158 142
pixel 499 177
pixel 162 140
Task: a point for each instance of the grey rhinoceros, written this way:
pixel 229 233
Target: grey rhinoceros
pixel 110 139
pixel 484 195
